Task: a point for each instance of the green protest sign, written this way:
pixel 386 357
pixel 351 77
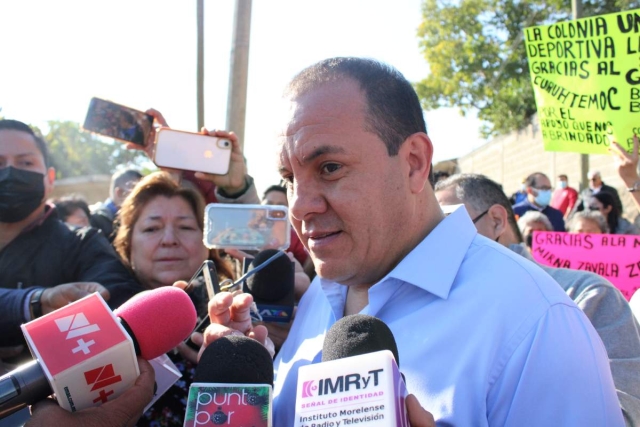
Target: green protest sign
pixel 586 80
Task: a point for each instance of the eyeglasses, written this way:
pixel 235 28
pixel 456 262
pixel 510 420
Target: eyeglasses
pixel 476 219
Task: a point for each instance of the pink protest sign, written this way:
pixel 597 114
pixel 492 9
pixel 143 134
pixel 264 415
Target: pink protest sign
pixel 613 256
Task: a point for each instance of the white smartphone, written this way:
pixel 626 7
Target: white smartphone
pixel 192 151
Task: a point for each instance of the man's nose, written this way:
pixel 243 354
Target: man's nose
pixel 306 199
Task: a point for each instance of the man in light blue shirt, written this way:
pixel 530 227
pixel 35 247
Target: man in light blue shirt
pixel 485 337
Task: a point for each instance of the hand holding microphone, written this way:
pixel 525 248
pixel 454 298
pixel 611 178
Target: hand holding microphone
pixel 84 355
pixel 230 315
pixel 418 416
pixel 61 295
pixel 123 411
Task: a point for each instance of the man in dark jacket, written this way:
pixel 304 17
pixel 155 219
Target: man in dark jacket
pixel 538 199
pixel 597 185
pixel 43 264
pixel 103 214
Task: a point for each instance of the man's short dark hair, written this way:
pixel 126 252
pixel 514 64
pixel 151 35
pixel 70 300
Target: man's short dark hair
pixel 481 193
pixel 279 188
pixel 121 178
pixel 563 176
pixel 8 124
pixel 532 180
pixel 393 108
pixel 67 205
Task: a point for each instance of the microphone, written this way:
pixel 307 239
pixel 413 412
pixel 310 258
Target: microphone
pixel 232 385
pixel 272 286
pixel 357 382
pixel 81 348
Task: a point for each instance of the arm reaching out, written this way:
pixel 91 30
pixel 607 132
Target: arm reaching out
pixel 627 165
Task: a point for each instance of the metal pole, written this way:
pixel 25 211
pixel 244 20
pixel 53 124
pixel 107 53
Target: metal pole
pixel 576 11
pixel 200 64
pixel 239 70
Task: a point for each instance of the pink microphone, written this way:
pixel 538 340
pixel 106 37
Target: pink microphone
pixel 158 320
pixel 87 356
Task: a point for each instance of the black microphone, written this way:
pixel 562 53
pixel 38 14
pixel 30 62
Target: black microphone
pixel 358 334
pixel 232 384
pixel 272 287
pixel 358 381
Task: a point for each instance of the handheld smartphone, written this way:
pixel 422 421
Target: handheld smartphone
pixel 246 227
pixel 192 151
pixel 117 121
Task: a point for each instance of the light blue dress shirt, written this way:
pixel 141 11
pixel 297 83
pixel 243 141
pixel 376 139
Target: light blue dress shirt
pixel 485 337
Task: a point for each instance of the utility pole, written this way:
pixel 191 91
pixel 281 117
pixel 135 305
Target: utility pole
pixel 576 11
pixel 239 70
pixel 200 64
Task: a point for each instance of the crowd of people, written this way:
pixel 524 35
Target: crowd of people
pixel 486 335
pixel 597 209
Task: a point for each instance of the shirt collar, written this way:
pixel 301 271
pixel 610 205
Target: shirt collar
pixel 434 263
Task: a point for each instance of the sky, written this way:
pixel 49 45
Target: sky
pixel 142 53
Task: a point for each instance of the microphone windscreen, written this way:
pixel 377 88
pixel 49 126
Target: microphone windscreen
pixel 235 359
pixel 275 281
pixel 159 319
pixel 358 334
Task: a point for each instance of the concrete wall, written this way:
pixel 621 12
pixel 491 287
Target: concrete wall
pixel 510 158
pixel 93 188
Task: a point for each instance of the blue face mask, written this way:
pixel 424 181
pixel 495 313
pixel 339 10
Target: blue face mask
pixel 562 184
pixel 543 198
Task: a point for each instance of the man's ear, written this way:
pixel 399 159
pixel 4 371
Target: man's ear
pixel 418 151
pixel 51 175
pixel 49 179
pixel 498 217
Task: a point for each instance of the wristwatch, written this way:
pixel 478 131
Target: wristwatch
pixel 35 304
pixel 636 187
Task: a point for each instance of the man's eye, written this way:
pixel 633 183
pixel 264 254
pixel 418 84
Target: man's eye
pixel 287 180
pixel 330 167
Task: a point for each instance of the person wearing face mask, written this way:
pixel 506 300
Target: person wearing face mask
pixel 565 197
pixel 44 265
pixel 538 198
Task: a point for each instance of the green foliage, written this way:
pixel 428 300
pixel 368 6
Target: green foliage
pixel 77 153
pixel 477 58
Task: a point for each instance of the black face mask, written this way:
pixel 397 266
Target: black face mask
pixel 21 192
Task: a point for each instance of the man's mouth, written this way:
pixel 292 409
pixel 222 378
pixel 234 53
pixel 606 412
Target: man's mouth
pixel 322 235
